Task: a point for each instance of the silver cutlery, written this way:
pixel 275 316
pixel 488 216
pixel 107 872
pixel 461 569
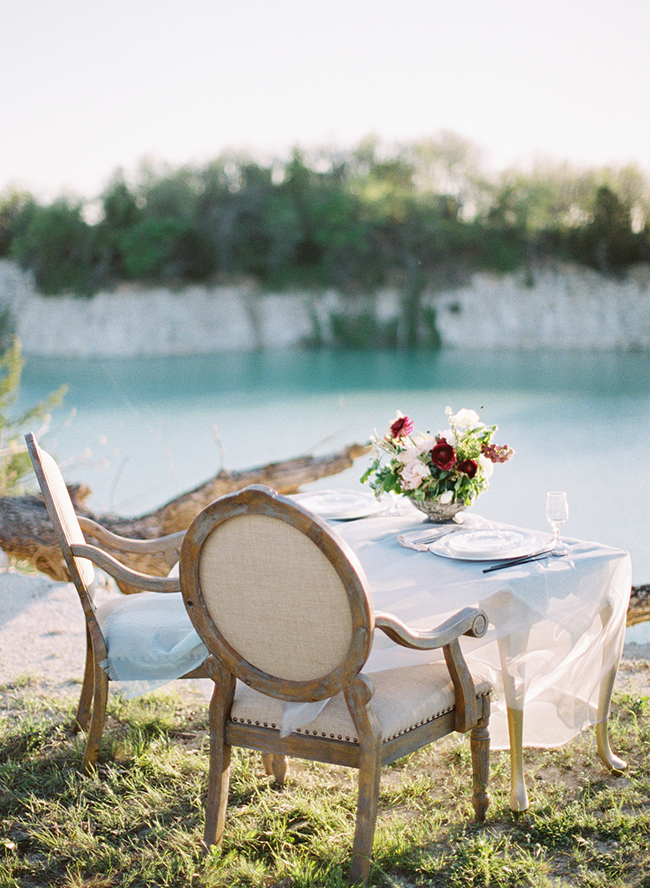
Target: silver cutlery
pixel 431 537
pixel 536 556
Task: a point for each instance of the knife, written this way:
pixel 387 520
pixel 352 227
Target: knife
pixel 537 556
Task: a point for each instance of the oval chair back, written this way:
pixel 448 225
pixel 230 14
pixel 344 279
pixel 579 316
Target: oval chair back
pixel 275 596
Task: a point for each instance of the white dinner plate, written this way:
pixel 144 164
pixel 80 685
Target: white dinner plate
pixel 486 545
pixel 340 505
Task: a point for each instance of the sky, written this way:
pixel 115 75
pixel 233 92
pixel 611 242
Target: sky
pixel 92 86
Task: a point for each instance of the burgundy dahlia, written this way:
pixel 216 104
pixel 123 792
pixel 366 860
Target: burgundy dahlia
pixel 401 427
pixel 443 455
pixel 467 467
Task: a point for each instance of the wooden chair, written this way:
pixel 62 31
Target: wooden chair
pixel 281 603
pixel 79 558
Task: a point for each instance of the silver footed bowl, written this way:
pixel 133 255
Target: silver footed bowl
pixel 439 513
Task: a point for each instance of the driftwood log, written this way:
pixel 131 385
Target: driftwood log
pixel 26 532
pixel 639 609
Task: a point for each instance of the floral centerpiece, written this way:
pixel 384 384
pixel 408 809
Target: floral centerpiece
pixel 442 473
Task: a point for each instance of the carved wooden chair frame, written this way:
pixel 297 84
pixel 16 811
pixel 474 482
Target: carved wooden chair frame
pixel 226 665
pixel 71 531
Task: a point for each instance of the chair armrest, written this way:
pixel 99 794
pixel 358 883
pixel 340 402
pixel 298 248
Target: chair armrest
pixel 119 572
pixel 127 544
pixel 469 621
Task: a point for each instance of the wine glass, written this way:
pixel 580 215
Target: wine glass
pixel 557 512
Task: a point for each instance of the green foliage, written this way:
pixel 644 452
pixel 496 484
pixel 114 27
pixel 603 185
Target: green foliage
pixel 150 248
pixel 362 330
pixel 607 242
pixel 15 211
pixel 14 460
pixel 57 246
pixel 120 214
pixel 354 220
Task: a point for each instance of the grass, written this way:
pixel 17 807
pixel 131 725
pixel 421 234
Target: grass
pixel 138 821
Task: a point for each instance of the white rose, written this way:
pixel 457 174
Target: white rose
pixel 467 419
pixel 487 466
pixel 425 443
pixel 447 496
pixel 449 437
pixel 414 473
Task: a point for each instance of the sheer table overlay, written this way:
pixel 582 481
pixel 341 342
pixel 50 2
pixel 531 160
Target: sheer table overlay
pixel 557 628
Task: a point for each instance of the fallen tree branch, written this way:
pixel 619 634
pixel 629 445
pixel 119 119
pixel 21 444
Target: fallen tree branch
pixel 639 609
pixel 27 534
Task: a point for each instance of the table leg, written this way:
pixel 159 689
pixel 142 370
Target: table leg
pixel 518 795
pixel 509 647
pixel 611 761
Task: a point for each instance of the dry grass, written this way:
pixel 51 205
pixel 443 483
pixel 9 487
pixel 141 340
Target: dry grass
pixel 138 822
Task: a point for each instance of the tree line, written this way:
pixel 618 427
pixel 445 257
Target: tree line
pixel 354 220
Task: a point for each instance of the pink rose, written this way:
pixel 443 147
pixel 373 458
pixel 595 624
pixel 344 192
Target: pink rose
pixel 414 474
pixel 443 455
pixel 401 427
pixel 468 467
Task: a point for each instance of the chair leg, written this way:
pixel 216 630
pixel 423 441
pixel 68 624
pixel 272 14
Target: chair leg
pixel 219 772
pixel 100 698
pixel 364 833
pixel 480 749
pixel 217 798
pixel 358 696
pixel 276 766
pixel 84 707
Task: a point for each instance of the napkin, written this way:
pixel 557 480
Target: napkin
pixel 413 539
pixel 421 539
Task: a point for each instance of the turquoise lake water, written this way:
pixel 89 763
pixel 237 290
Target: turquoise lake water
pixel 139 432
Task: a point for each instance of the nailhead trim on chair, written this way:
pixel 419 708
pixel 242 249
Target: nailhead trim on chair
pixel 352 739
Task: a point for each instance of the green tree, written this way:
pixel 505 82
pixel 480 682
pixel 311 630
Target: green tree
pixel 57 246
pixel 150 247
pixel 120 213
pixel 172 197
pixel 15 211
pixel 607 242
pixel 407 216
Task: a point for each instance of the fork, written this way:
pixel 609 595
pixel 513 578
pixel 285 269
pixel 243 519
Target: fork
pixel 432 536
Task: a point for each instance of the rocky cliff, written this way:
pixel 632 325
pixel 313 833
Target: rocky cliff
pixel 555 307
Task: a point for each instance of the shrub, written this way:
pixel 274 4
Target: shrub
pixel 15 464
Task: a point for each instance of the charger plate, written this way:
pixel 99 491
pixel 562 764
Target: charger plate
pixel 340 505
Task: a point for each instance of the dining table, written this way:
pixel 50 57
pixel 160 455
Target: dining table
pixel 556 625
pixel 552 649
